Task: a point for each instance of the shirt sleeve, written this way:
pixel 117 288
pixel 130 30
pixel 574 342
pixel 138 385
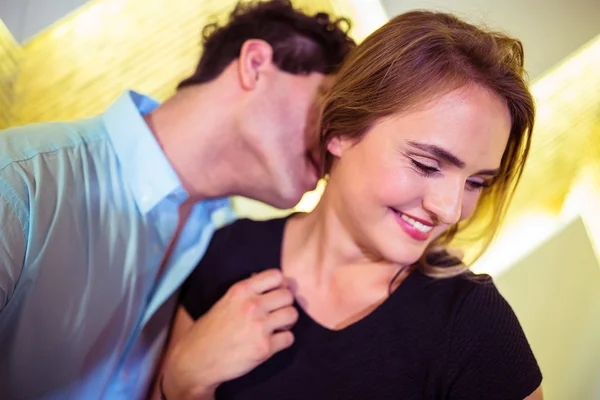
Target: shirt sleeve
pixel 490 357
pixel 12 250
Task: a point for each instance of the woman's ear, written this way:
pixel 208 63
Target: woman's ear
pixel 336 146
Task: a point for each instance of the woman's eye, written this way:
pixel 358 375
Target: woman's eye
pixel 478 185
pixel 426 170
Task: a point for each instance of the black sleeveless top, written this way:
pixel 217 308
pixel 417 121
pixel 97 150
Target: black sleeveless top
pixel 453 338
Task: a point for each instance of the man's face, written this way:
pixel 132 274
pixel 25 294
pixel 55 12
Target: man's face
pixel 285 120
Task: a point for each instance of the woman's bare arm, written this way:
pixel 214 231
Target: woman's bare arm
pixel 181 324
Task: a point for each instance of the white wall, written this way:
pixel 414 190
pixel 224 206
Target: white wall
pixel 25 18
pixel 549 29
pixel 555 292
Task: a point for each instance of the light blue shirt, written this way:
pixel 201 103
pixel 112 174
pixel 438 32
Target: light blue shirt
pixel 87 210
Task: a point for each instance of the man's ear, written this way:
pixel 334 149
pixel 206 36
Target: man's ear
pixel 256 56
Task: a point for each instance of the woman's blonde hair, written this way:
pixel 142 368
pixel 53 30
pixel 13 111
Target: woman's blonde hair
pixel 415 58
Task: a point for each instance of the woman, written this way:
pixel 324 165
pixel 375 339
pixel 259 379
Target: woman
pixel 424 134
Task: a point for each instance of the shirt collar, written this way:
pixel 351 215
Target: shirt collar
pixel 144 165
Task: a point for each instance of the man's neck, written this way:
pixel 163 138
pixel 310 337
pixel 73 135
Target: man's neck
pixel 196 129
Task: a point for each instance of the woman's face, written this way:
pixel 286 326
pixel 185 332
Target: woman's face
pixel 415 174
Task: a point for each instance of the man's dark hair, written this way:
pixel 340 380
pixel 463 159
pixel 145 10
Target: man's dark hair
pixel 301 43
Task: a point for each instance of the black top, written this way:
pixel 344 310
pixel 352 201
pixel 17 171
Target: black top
pixel 453 338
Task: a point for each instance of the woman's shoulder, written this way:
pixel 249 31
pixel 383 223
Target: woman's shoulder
pixel 477 301
pixel 456 291
pixel 248 232
pixel 471 299
pixel 235 252
pixel 488 352
pixel 244 247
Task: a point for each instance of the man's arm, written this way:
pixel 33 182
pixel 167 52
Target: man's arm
pixel 12 250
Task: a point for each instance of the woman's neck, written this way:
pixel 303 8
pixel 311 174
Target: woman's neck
pixel 326 240
pixel 335 279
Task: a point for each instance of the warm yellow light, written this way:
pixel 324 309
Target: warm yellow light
pixel 311 199
pixel 371 15
pixel 584 201
pixel 516 241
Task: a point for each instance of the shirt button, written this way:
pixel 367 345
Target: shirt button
pixel 155 248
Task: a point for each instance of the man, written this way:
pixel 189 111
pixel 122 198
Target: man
pixel 104 218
